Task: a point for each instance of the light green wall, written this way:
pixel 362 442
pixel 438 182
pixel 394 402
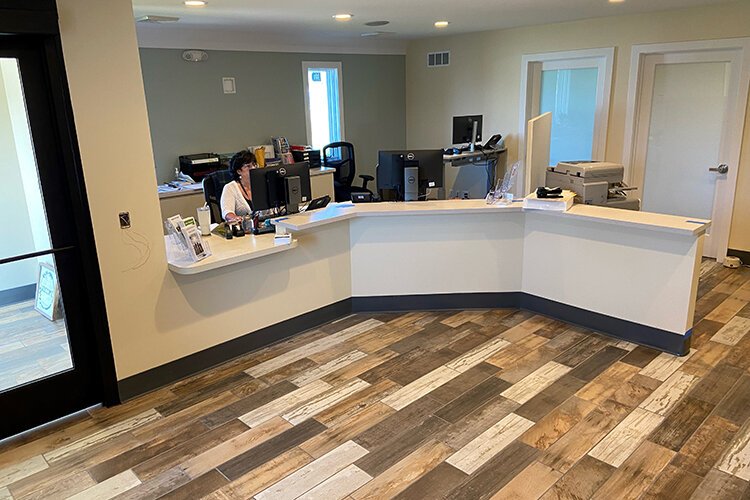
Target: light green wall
pixel 189 113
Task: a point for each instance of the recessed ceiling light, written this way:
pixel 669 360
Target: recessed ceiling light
pixel 616 1
pixel 377 23
pixel 343 17
pixel 441 24
pixel 195 3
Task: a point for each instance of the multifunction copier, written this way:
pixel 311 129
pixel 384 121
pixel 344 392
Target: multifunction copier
pixel 594 182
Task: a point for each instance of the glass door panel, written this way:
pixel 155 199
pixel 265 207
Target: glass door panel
pixel 34 341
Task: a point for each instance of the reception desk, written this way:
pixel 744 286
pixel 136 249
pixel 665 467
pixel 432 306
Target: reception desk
pixel 632 275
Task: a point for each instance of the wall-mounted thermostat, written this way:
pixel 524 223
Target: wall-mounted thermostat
pixel 228 83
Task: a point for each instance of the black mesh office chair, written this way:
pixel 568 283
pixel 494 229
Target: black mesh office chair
pixel 340 155
pixel 213 184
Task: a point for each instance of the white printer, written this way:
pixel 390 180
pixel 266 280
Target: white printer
pixel 594 182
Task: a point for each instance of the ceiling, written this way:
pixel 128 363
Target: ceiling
pixel 309 22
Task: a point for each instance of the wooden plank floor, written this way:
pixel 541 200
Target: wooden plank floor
pixel 457 404
pixel 31 346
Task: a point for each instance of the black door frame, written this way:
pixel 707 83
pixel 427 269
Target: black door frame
pixel 32 26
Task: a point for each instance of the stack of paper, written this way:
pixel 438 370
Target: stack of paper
pixel 559 204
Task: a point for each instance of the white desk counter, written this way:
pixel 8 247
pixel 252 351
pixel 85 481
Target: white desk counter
pixel 335 212
pixel 631 274
pixel 225 252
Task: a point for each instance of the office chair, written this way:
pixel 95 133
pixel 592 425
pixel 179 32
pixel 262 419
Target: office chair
pixel 213 184
pixel 340 155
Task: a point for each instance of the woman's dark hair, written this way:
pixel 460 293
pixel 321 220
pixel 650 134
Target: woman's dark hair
pixel 239 160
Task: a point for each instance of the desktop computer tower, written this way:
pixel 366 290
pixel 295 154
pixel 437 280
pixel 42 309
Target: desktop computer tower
pixel 411 182
pixel 293 191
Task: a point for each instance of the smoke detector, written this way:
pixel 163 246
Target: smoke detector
pixel 157 19
pixel 195 56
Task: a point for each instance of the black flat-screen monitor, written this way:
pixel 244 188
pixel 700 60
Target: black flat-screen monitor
pixel 463 127
pixel 391 168
pixel 268 187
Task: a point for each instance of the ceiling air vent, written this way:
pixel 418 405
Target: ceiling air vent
pixel 438 59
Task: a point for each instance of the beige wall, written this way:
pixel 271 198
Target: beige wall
pixel 484 77
pixel 155 316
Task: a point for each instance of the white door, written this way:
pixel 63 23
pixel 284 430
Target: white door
pixel 687 134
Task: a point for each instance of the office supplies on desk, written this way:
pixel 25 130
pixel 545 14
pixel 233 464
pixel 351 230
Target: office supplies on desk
pixel 362 197
pixel 280 146
pixel 502 192
pixel 318 203
pixel 186 239
pixel 263 229
pixel 561 204
pixel 547 192
pixel 204 220
pixel 493 141
pixel 594 182
pixel 260 156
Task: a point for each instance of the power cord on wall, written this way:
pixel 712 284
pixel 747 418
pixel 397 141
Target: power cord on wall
pixel 140 243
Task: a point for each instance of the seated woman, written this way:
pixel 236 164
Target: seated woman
pixel 236 197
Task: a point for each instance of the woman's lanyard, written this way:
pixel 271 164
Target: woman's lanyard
pixel 248 199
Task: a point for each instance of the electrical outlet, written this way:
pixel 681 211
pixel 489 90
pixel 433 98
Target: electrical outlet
pixel 124 220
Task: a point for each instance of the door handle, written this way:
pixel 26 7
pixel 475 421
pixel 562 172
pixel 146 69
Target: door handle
pixel 722 169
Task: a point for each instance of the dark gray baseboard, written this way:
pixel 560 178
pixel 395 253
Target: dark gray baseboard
pixel 18 294
pixel 190 365
pixel 436 302
pixel 614 327
pixel 742 254
pixel 208 358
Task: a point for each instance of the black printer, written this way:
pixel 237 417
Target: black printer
pixel 200 165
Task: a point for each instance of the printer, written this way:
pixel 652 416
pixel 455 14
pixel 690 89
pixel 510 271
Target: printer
pixel 200 165
pixel 594 182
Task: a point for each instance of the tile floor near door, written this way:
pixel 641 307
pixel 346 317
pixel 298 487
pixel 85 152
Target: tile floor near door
pixel 460 404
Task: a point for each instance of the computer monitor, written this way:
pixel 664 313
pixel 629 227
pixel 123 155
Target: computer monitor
pixel 463 129
pixel 281 186
pixel 390 175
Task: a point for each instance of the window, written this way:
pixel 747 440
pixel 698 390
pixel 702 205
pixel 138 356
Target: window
pixel 570 95
pixel 324 103
pixel 575 87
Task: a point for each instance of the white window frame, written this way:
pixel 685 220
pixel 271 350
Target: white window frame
pixel 532 66
pixel 307 65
